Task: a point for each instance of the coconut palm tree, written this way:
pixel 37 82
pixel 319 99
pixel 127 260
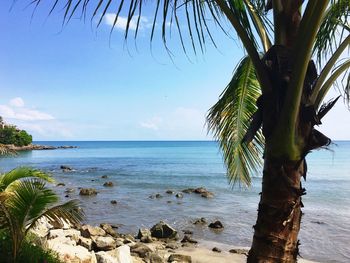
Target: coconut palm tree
pixel 24 199
pixel 274 99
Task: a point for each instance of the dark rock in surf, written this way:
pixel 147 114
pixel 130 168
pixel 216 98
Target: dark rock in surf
pixel 216 225
pixel 200 221
pixel 108 184
pixel 163 230
pixel 88 191
pixel 188 239
pixel 216 249
pixel 179 195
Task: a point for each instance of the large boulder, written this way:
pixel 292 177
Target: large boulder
pixel 143 233
pixel 60 240
pixel 42 228
pixel 163 230
pixel 88 231
pixel 103 243
pixel 121 254
pixel 155 258
pixel 109 230
pixel 73 254
pixel 140 250
pixel 85 242
pixel 103 257
pixel 72 233
pixel 54 233
pixel 88 191
pixel 180 258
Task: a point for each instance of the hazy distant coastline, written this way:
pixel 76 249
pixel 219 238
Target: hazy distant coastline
pixel 31 147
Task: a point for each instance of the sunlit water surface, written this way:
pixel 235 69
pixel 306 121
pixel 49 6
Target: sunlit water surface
pixel 140 169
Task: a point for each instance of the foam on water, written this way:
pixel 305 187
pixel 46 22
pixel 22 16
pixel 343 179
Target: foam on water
pixel 140 169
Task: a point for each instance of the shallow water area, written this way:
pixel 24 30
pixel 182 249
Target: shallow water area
pixel 141 169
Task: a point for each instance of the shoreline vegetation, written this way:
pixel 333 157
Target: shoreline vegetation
pixel 31 147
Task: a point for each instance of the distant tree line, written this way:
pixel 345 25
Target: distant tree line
pixel 12 135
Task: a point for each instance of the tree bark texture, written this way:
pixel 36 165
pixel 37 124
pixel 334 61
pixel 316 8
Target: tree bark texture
pixel 279 214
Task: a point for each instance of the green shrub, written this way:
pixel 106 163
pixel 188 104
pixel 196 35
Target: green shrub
pixel 31 252
pixel 11 135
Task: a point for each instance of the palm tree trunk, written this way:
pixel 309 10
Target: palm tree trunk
pixel 279 215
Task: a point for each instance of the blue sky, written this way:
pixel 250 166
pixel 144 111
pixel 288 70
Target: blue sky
pixel 74 84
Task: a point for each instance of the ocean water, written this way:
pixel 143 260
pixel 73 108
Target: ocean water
pixel 140 169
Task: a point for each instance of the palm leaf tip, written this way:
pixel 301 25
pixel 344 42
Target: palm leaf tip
pixel 69 212
pixel 334 28
pixel 21 173
pixel 229 120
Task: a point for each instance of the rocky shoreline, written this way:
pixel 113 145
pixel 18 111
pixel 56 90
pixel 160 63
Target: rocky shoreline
pixel 103 244
pixel 32 147
pixel 160 244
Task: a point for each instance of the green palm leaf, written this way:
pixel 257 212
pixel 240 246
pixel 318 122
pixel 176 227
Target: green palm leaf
pixel 19 173
pixel 229 119
pixel 29 200
pixel 30 197
pixel 67 212
pixel 334 28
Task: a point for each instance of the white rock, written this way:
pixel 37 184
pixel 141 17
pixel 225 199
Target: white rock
pixel 121 254
pixel 85 242
pixel 88 231
pixel 103 257
pixel 104 243
pixel 56 233
pixel 51 243
pixel 45 222
pixel 72 233
pixel 137 260
pixel 74 254
pixel 42 228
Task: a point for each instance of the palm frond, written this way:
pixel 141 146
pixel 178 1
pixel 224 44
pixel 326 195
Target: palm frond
pixel 334 28
pixel 30 197
pixel 67 212
pixel 229 120
pixel 331 63
pixel 19 173
pixel 5 220
pixel 260 22
pixel 338 71
pixel 28 201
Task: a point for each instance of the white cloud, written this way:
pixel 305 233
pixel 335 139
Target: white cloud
pixel 16 110
pixel 181 123
pixel 45 130
pixel 23 114
pixel 38 123
pixel 17 102
pixel 152 124
pixel 122 22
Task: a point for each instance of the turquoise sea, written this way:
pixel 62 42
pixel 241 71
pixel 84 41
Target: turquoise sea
pixel 142 168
